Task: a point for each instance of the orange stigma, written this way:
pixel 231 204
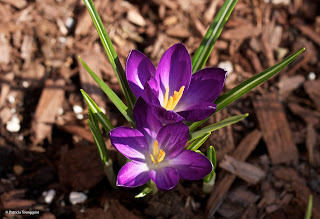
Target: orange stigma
pixel 158 155
pixel 170 103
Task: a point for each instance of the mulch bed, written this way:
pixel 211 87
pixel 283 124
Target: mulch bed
pixel 268 164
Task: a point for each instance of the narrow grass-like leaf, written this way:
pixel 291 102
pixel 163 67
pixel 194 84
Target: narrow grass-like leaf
pixel 102 149
pixel 150 188
pixel 203 52
pixel 215 126
pixel 111 53
pixel 96 111
pixel 211 155
pixel 198 142
pixel 308 214
pixel 246 86
pixel 98 138
pixel 144 192
pixel 109 92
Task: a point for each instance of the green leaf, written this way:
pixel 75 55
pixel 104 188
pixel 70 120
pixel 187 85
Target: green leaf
pixel 309 209
pixel 211 155
pixel 109 92
pixel 98 138
pixel 144 192
pixel 215 126
pixel 97 113
pixel 111 53
pixel 203 52
pixel 198 142
pixel 246 86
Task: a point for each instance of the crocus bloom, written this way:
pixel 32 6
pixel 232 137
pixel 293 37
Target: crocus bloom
pixel 173 91
pixel 156 152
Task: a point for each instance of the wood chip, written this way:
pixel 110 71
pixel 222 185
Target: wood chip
pixel 309 32
pixel 26 48
pixel 275 129
pixel 289 84
pixel 87 83
pixel 178 31
pixel 5 83
pixel 241 32
pixel 312 146
pixel 313 90
pixel 13 200
pixel 309 116
pixel 225 179
pixel 50 101
pixel 255 60
pixel 243 195
pixel 135 17
pixel 16 3
pixel 209 13
pixel 5 51
pixel 248 172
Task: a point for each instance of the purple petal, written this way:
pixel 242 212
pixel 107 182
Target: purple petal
pixel 151 92
pixel 166 116
pixel 205 86
pixel 174 70
pixel 172 138
pixel 138 70
pixel 129 142
pixel 146 122
pixel 133 175
pixel 198 112
pixel 191 165
pixel 165 178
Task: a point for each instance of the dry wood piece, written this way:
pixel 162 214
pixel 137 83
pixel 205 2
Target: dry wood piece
pixel 309 32
pixel 5 82
pixel 50 101
pixel 248 172
pixel 5 51
pixel 241 32
pixel 312 146
pixel 178 31
pixel 313 90
pixel 225 179
pixel 309 116
pixel 288 84
pixel 275 129
pixel 13 200
pixel 16 3
pixel 255 60
pixel 135 17
pixel 87 83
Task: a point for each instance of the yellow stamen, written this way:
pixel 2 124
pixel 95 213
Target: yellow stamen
pixel 157 154
pixel 173 100
pixel 152 158
pixel 155 148
pixel 169 103
pixel 166 96
pixel 177 96
pixel 161 156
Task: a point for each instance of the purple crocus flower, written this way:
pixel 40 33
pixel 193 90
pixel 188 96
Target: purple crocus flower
pixel 173 91
pixel 156 152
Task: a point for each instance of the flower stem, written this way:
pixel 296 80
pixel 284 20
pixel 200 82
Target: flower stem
pixel 208 186
pixel 108 170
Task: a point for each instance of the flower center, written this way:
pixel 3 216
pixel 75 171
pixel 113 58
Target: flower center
pixel 157 155
pixel 170 103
